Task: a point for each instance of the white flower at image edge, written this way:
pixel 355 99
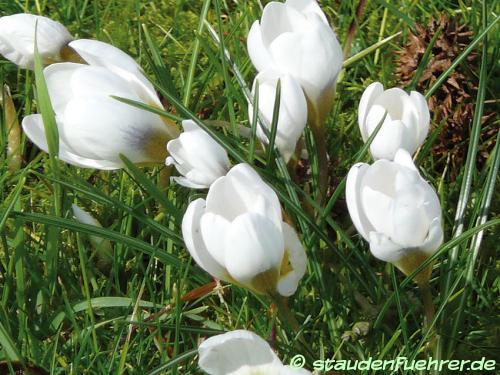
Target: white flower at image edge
pixel 295 38
pixel 197 156
pixel 405 126
pixel 241 352
pixel 238 235
pixel 17 39
pixel 292 116
pixel 94 128
pixel 394 209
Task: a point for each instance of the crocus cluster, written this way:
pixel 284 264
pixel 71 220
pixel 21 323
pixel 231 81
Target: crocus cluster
pixel 239 232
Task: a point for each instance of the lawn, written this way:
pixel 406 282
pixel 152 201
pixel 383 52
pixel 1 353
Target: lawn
pixel 126 297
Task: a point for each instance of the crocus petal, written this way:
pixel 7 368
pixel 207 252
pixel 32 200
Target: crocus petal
pixel 278 18
pixel 292 109
pixel 384 249
pixel 98 53
pixel 410 224
pixel 388 140
pixel 214 229
pixel 191 232
pixel 34 129
pixel 304 56
pixel 434 237
pixel 256 240
pixel 376 205
pixel 238 192
pixel 424 117
pixel 297 257
pixel 128 130
pixel 366 102
pixel 58 77
pixel 403 158
pixel 229 352
pixel 84 217
pixel 17 39
pixel 353 198
pixel 307 6
pixel 257 51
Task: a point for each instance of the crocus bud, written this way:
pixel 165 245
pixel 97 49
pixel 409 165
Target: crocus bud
pixel 292 117
pixel 238 235
pixel 241 352
pixel 102 246
pixel 295 38
pixel 17 39
pixel 95 128
pixel 197 156
pixel 396 211
pixel 405 126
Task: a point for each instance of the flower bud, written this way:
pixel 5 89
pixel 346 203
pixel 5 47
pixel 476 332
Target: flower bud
pixel 238 235
pixel 405 126
pixel 197 156
pixel 396 211
pixel 292 116
pixel 17 39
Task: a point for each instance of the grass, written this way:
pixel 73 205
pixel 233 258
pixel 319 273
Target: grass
pixel 66 310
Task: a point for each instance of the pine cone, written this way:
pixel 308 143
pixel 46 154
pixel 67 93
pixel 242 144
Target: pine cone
pixel 453 101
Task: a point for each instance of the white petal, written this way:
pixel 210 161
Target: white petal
pixel 33 128
pixel 313 57
pixel 229 352
pixel 17 38
pixel 409 219
pixel 214 230
pixel 307 6
pixel 256 49
pixel 377 207
pixel 434 237
pixel 191 232
pixel 384 249
pixel 239 191
pixel 403 158
pixel 103 128
pixel 424 117
pixel 253 245
pixel 292 109
pixel 388 140
pixel 98 53
pixel 366 102
pixel 277 18
pixel 287 285
pixel 393 100
pixel 205 154
pixel 84 217
pixel 58 77
pixel 353 197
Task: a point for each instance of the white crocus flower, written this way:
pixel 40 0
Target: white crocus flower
pixel 295 38
pixel 197 156
pixel 241 352
pixel 94 128
pixel 17 39
pixel 238 235
pixel 292 116
pixel 395 210
pixel 405 126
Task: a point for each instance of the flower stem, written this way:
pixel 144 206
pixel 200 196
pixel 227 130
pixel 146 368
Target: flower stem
pixel 429 315
pixel 286 315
